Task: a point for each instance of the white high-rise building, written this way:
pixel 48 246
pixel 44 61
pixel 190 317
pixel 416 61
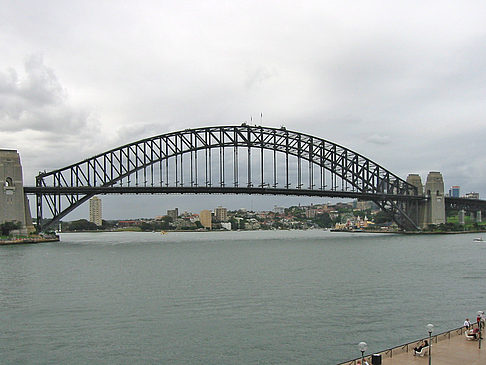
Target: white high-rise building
pixel 95 215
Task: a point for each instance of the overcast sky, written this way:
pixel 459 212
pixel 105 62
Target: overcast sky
pixel 401 82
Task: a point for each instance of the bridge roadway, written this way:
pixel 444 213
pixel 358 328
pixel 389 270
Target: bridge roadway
pixel 451 348
pixel 214 190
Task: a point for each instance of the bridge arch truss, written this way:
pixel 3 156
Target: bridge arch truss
pixel 225 159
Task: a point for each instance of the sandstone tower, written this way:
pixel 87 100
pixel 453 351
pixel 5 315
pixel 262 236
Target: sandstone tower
pixel 432 210
pixel 14 205
pixel 416 210
pixel 434 190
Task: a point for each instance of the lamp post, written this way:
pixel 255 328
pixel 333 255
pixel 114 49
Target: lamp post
pixel 363 346
pixel 430 328
pixel 479 327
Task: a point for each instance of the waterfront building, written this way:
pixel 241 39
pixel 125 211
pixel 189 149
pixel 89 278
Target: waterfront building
pixel 340 226
pixel 194 218
pixel 183 224
pixel 252 224
pixel 128 223
pixel 239 223
pixel 311 212
pixel 95 213
pixel 472 195
pixel 221 214
pixel 226 225
pixel 205 217
pixel 173 213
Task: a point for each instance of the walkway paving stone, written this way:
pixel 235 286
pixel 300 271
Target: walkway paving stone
pixel 456 350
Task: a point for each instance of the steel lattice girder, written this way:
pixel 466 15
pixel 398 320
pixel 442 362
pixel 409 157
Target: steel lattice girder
pixel 124 163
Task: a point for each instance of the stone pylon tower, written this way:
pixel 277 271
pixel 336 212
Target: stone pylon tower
pixel 434 190
pixel 416 210
pixel 14 205
pixel 432 209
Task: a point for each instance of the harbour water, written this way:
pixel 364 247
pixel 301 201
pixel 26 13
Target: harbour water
pixel 277 297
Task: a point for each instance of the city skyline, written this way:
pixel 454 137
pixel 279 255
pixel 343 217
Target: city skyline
pixel 207 204
pixel 401 83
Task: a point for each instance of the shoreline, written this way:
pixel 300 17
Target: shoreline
pixel 278 230
pixel 406 232
pixel 29 240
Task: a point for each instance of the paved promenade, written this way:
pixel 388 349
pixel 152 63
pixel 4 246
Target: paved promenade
pixel 449 348
pixel 454 351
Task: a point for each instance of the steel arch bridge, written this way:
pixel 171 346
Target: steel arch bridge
pixel 240 159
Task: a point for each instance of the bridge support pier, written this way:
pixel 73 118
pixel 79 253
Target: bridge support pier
pixel 432 210
pixel 461 216
pixel 14 205
pixel 478 217
pixel 435 206
pixel 416 209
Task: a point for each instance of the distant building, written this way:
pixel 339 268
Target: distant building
pixel 252 224
pixel 182 223
pixel 194 218
pixel 279 210
pixel 226 225
pixel 364 205
pixel 95 214
pixel 205 217
pixel 129 223
pixel 310 212
pixel 221 214
pixel 173 213
pixel 454 191
pixel 472 195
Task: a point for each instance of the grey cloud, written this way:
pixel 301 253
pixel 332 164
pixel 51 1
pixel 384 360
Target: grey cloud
pixel 34 107
pixel 256 76
pixel 37 101
pixel 134 132
pixel 401 83
pixel 379 139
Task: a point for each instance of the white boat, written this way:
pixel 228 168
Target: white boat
pixel 478 239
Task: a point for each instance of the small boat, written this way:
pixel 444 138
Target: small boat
pixel 478 239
